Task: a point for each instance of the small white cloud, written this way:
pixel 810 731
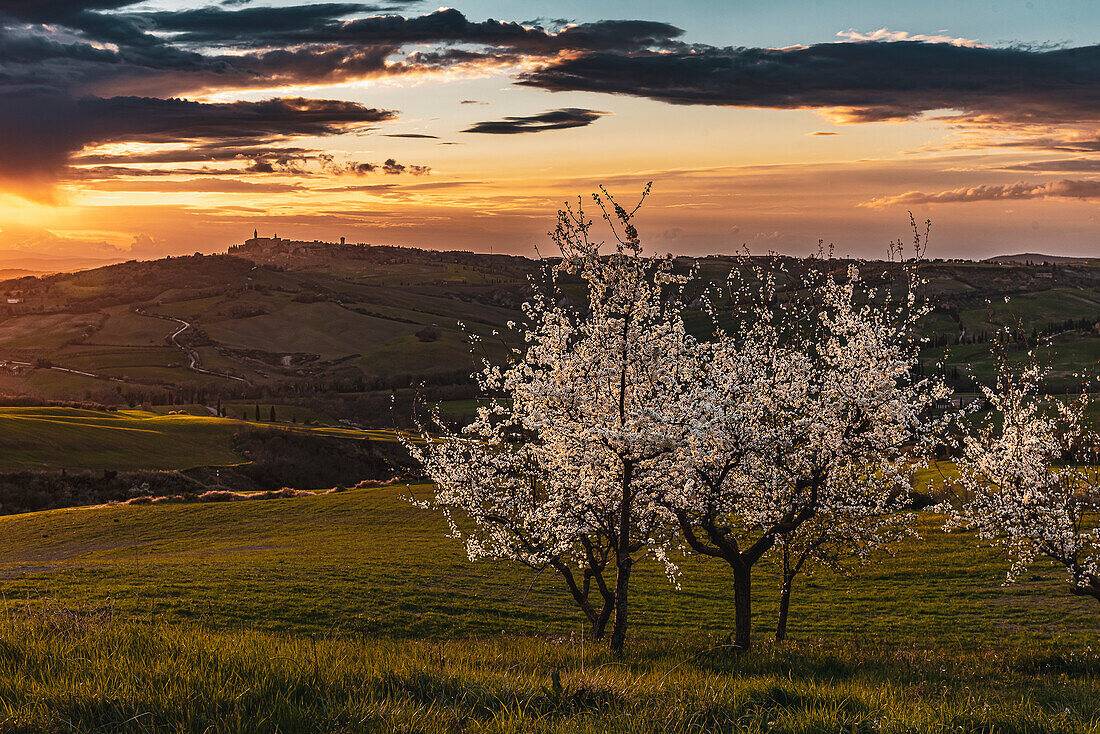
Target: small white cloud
pixel 885 34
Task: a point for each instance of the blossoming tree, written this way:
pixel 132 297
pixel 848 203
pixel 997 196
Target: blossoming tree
pixel 818 417
pixel 1027 481
pixel 565 467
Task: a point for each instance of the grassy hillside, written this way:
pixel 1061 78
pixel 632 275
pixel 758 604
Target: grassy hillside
pixel 274 313
pixel 253 326
pixel 352 612
pixel 366 561
pixel 71 438
pixel 295 322
pixel 39 438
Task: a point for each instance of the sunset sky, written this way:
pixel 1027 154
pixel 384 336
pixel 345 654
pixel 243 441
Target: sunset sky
pixel 150 128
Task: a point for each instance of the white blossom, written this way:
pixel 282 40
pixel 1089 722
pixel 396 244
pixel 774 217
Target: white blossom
pixel 1024 482
pixel 813 421
pixel 567 466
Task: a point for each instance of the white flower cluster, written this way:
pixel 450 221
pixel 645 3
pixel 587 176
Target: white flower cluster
pixel 811 423
pixel 616 433
pixel 1026 482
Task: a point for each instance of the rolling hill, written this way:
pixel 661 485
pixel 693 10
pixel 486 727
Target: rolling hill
pixel 340 327
pixel 1035 258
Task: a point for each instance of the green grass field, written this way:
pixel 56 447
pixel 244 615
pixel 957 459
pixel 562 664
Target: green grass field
pixel 59 674
pixel 103 359
pixel 365 561
pixel 124 327
pixel 1033 310
pixel 55 438
pixel 319 328
pixel 283 413
pixel 70 438
pixel 45 332
pixel 352 612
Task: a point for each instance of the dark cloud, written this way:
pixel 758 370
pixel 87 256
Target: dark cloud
pixel 282 163
pixel 390 166
pixel 863 82
pixel 1065 189
pixel 446 58
pixel 618 35
pixel 268 68
pixel 412 135
pixel 39 134
pixel 362 169
pixel 256 160
pixel 213 151
pixel 328 23
pixel 552 120
pixel 1076 143
pixel 151 120
pixel 393 167
pixel 446 25
pixel 147 65
pixel 79 73
pixel 57 11
pixel 101 173
pixel 82 16
pixel 157 53
pixel 177 52
pixel 213 24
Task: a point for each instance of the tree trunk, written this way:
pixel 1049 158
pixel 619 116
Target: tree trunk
pixel 742 603
pixel 623 561
pixel 784 593
pixel 599 625
pixel 618 634
pixel 784 605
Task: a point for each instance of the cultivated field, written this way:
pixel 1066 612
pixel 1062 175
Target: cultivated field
pixel 72 438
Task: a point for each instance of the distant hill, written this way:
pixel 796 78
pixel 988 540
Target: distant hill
pixel 9 273
pixel 41 263
pixel 1034 258
pixel 350 330
pixel 270 319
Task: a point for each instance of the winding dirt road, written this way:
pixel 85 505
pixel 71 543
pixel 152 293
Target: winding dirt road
pixel 192 355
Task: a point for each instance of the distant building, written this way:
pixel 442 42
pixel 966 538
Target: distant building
pixel 278 251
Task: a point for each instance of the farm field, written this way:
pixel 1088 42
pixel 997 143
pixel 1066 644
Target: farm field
pixel 284 413
pixel 352 609
pixel 71 438
pixel 322 328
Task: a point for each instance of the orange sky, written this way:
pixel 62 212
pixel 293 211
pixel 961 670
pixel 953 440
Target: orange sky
pixel 454 153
